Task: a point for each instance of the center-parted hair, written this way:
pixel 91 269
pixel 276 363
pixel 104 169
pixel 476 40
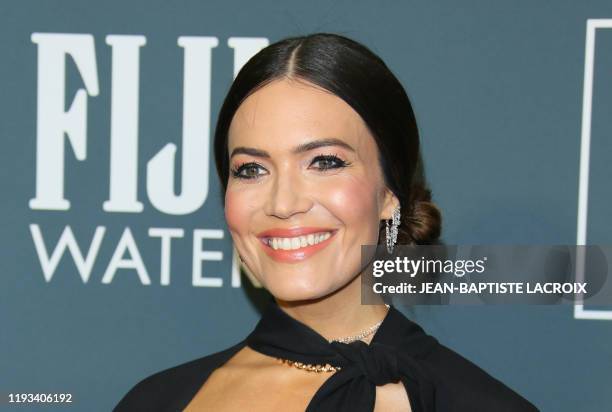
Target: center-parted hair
pixel 354 73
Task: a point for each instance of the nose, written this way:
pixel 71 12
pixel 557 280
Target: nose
pixel 287 196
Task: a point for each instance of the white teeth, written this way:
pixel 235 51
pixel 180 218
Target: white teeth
pixel 291 243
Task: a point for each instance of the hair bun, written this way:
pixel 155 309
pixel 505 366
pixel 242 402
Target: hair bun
pixel 422 224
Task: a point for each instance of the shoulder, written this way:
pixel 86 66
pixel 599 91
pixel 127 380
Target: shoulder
pixel 172 388
pixel 465 386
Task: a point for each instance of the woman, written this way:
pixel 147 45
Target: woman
pixel 317 150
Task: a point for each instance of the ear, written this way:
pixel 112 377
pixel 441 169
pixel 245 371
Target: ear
pixel 390 202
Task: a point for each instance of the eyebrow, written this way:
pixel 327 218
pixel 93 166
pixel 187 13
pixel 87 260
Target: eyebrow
pixel 301 148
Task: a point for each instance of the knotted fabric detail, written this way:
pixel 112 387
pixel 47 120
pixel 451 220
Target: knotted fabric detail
pixel 377 361
pixel 394 355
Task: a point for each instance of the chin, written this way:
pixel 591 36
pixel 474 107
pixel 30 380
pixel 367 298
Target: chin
pixel 295 291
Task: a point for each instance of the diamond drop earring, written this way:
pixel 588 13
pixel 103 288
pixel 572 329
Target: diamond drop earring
pixel 392 237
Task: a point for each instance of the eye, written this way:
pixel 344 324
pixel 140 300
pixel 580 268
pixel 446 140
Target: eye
pixel 248 167
pixel 329 162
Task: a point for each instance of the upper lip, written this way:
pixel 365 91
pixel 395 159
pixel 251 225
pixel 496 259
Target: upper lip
pixel 298 231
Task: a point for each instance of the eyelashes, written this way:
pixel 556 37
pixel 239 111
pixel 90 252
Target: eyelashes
pixel 331 161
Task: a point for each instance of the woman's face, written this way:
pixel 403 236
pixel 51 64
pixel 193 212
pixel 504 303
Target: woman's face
pixel 297 214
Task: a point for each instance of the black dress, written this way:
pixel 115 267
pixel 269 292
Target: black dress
pixel 435 377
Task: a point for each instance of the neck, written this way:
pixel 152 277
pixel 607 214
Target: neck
pixel 338 314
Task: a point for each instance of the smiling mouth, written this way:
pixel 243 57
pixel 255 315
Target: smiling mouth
pixel 296 248
pixel 297 242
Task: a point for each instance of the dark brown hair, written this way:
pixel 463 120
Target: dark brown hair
pixel 354 73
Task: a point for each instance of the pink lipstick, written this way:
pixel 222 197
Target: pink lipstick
pixel 294 255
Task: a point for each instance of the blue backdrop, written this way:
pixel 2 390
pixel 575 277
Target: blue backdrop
pixel 115 258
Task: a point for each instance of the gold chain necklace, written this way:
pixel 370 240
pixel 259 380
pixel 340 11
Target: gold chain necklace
pixel 327 367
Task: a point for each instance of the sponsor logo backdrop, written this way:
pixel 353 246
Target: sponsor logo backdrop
pixel 115 258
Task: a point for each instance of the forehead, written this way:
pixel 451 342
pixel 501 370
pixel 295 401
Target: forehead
pixel 287 112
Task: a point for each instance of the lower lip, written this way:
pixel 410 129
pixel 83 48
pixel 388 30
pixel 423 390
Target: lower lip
pixel 295 255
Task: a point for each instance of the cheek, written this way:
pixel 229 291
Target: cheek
pixel 354 201
pixel 237 211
